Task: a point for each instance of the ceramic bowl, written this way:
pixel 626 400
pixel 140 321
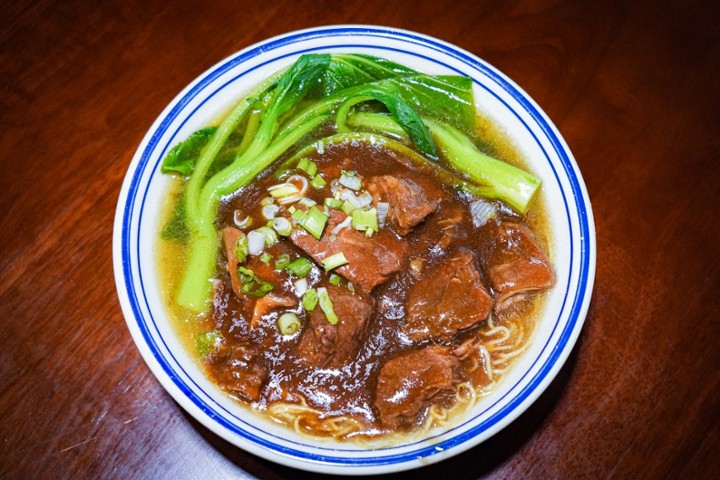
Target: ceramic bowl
pixel 210 95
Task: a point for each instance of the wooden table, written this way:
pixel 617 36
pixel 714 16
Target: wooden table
pixel 633 87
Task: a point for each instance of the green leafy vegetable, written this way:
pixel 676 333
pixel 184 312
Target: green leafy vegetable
pixel 181 159
pixel 510 184
pixel 345 71
pixel 176 229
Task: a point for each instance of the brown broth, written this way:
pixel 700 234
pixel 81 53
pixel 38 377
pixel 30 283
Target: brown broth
pixel 347 391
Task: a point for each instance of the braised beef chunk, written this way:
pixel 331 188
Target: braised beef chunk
pixel 410 382
pixel 449 298
pixel 332 346
pixel 409 202
pixel 230 236
pixel 445 228
pixel 517 264
pixel 240 370
pixel 370 260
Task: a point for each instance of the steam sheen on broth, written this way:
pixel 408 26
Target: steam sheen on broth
pixel 376 249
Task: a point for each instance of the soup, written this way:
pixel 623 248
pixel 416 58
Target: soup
pixel 346 254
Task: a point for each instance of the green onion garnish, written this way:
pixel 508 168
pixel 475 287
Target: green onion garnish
pixel 299 267
pixel 282 261
pixel 283 190
pixel 335 203
pixel 310 300
pixel 298 215
pixel 350 180
pixel 266 257
pixel 334 261
pixel 308 202
pixel 365 220
pixel 242 223
pixel 270 235
pixel 251 284
pixel 308 166
pixel 241 247
pixel 318 182
pixel 348 207
pixel 282 226
pixel 312 220
pixel 335 279
pixel 326 306
pixel 289 323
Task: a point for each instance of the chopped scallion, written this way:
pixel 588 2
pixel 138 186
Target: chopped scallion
pixel 348 207
pixel 283 190
pixel 326 306
pixel 334 261
pixel 270 235
pixel 251 284
pixel 308 202
pixel 310 300
pixel 282 261
pixel 289 323
pixel 301 286
pixel 312 220
pixel 269 211
pixel 241 247
pixel 365 220
pixel 266 257
pixel 318 182
pixel 282 226
pixel 335 203
pixel 267 201
pixel 308 166
pixel 256 242
pixel 382 210
pixel 299 267
pixel 335 279
pixel 241 222
pixel 350 180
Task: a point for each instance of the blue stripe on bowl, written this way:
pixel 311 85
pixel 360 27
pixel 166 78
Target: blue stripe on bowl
pixel 237 426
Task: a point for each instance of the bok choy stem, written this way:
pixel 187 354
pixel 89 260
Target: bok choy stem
pixel 510 184
pixel 499 180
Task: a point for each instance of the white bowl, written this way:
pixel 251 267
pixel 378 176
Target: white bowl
pixel 573 249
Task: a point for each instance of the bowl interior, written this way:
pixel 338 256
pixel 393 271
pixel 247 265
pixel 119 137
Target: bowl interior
pixel 206 99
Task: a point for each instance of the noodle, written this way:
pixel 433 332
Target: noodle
pixel 503 344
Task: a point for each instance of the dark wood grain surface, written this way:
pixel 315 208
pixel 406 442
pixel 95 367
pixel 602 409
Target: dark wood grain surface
pixel 634 87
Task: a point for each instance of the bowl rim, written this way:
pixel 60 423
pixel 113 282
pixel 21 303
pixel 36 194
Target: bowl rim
pixel 329 463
